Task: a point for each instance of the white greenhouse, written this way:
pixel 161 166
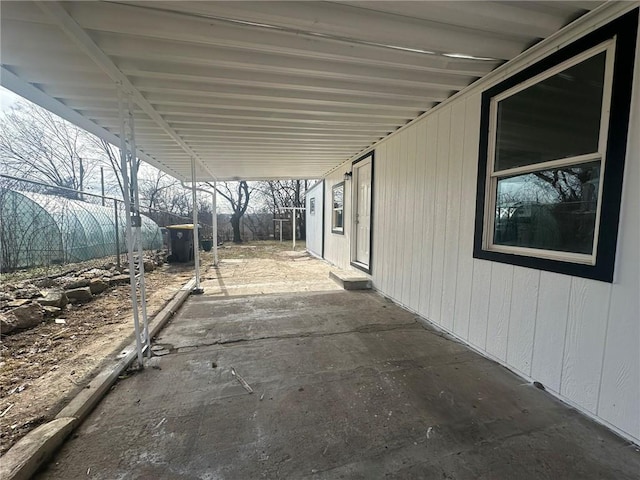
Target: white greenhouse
pixel 41 230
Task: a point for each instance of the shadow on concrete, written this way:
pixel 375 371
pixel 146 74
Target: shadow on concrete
pixel 345 385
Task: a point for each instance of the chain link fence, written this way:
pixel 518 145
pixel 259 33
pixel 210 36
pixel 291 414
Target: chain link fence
pixel 47 230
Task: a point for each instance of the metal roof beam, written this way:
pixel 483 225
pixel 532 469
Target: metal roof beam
pixel 121 18
pixel 284 83
pixel 57 74
pixel 231 57
pixel 14 83
pixel 77 34
pixel 244 77
pixel 278 107
pixel 348 24
pixel 359 123
pixel 510 18
pixel 179 104
pixel 228 93
pixel 179 110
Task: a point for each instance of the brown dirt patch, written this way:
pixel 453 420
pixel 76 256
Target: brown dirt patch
pixel 43 368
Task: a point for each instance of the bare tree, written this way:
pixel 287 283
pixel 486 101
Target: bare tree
pixel 281 194
pixel 156 188
pixel 111 157
pixel 38 145
pixel 238 195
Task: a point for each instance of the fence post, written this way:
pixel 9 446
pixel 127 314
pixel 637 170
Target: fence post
pixel 117 225
pixel 102 183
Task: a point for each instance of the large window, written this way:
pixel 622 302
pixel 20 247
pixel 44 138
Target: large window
pixel 552 161
pixel 337 208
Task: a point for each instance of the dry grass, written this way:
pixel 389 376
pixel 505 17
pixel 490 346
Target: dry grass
pixel 259 249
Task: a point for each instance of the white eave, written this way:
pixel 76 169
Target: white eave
pixel 259 90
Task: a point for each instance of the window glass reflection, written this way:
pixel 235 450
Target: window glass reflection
pixel 549 209
pixel 556 118
pixel 338 206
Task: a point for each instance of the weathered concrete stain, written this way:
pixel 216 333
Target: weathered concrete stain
pixel 346 385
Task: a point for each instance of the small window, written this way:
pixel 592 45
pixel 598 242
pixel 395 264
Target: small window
pixel 312 206
pixel 550 163
pixel 337 207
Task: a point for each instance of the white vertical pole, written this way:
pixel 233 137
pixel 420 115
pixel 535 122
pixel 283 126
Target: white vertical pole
pixel 138 230
pixel 294 228
pixel 196 247
pixel 214 224
pixel 127 219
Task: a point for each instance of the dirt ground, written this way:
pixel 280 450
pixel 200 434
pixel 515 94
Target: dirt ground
pixel 43 368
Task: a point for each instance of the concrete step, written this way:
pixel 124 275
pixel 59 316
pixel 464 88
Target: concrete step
pixel 350 280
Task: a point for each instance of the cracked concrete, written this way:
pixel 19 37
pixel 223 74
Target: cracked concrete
pixel 346 385
pixel 235 341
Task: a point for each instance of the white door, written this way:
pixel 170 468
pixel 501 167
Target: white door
pixel 362 185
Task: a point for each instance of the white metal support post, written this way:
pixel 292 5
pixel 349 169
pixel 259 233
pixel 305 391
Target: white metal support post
pixel 128 223
pixel 294 210
pixel 279 220
pixel 214 217
pixel 196 246
pixel 137 228
pixel 214 224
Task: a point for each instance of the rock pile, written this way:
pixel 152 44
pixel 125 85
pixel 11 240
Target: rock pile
pixel 28 304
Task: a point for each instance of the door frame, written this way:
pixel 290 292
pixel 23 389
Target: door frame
pixel 354 211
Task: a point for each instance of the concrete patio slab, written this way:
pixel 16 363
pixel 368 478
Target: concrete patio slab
pixel 346 385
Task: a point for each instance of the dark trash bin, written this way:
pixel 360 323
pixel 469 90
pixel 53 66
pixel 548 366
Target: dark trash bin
pixel 206 245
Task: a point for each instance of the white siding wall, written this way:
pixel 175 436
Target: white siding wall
pixel 313 222
pixel 336 246
pixel 580 338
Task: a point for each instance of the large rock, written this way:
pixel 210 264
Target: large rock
pixel 70 283
pixel 18 303
pixel 96 273
pixel 98 285
pixel 119 280
pixel 51 312
pixel 44 282
pixel 5 297
pixel 79 295
pixel 160 258
pixel 7 323
pixel 54 298
pixel 26 316
pixel 149 266
pixel 27 292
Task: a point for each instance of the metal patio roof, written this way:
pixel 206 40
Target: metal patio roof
pixel 258 90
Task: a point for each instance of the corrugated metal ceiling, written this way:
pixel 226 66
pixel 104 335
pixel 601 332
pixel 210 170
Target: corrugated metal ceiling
pixel 262 89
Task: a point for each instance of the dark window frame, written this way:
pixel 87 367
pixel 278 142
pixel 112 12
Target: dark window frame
pixel 359 266
pixel 624 30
